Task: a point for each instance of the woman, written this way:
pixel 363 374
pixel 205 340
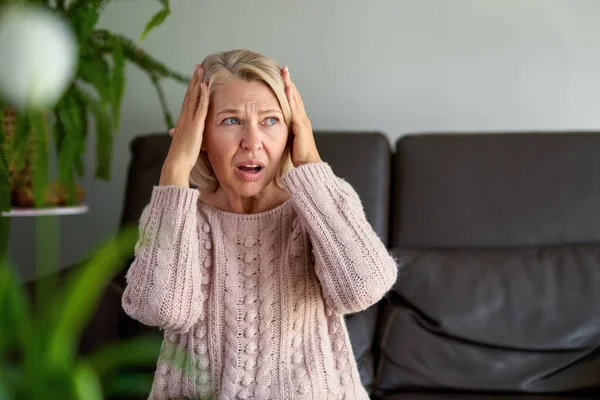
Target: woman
pixel 250 274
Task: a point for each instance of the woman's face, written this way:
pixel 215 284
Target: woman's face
pixel 245 136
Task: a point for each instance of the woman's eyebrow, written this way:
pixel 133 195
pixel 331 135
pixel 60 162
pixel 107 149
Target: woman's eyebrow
pixel 229 111
pixel 270 111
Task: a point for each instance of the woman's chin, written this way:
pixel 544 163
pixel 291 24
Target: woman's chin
pixel 250 189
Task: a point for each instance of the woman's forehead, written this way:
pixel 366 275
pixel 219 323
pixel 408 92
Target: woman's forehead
pixel 238 94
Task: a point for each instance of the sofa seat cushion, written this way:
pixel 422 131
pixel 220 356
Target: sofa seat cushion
pixel 482 396
pixel 517 320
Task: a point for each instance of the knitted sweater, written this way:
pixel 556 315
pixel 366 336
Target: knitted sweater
pixel 252 305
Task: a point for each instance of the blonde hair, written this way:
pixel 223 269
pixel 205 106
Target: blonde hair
pixel 221 68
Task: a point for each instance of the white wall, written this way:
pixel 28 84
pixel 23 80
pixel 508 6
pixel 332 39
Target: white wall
pixel 397 66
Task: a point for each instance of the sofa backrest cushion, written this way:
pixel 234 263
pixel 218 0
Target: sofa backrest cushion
pixel 473 190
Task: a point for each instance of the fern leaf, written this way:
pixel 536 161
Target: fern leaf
pixel 20 142
pixel 104 136
pixel 40 157
pixel 84 14
pixel 69 120
pixel 163 102
pixel 83 112
pixel 105 41
pixel 104 142
pixel 157 19
pixel 117 85
pixel 94 69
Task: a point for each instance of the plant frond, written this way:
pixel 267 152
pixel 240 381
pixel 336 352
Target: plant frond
pixel 104 139
pixel 105 41
pixel 69 114
pixel 84 15
pixel 19 148
pixel 77 300
pixel 40 156
pixel 117 85
pixel 94 69
pixel 157 19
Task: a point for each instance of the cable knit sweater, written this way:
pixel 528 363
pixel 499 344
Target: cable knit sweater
pixel 252 305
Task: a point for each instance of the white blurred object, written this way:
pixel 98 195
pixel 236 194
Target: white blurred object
pixel 38 56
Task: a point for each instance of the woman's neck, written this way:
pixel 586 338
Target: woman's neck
pixel 226 200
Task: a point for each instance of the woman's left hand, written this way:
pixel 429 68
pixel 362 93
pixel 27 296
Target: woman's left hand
pixel 304 148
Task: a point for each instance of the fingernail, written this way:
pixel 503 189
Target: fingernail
pixel 198 66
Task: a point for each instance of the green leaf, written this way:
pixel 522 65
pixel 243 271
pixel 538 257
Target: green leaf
pixel 71 113
pixel 163 102
pixel 106 41
pixel 157 19
pixel 117 85
pixel 84 14
pixel 16 314
pixel 104 134
pixel 81 293
pixel 104 142
pixel 139 351
pixel 5 392
pixel 94 69
pixel 130 385
pixel 40 157
pixel 21 141
pixel 86 383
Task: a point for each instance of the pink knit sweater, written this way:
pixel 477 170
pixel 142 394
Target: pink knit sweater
pixel 252 304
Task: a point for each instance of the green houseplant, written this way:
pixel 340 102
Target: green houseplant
pixel 40 335
pixel 96 92
pixel 38 344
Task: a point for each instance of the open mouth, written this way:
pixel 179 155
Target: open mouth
pixel 252 168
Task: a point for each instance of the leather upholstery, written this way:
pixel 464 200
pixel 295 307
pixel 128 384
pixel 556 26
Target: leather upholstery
pixel 494 320
pixel 498 237
pixel 364 160
pixel 496 190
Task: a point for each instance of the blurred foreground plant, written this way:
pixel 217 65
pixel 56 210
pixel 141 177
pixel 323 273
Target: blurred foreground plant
pixel 38 342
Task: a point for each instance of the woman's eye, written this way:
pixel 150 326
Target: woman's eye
pixel 271 121
pixel 231 121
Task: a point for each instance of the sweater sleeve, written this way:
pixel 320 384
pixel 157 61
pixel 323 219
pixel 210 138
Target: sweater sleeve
pixel 163 282
pixel 353 265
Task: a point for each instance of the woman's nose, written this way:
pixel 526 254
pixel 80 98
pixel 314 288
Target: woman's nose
pixel 252 139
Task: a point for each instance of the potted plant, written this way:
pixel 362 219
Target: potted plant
pixel 26 133
pixel 39 335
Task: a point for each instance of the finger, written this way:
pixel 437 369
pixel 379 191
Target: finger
pixel 172 131
pixel 190 88
pixel 293 106
pixel 195 95
pixel 292 86
pixel 202 109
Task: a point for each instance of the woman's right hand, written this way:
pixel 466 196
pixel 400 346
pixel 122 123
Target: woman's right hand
pixel 187 141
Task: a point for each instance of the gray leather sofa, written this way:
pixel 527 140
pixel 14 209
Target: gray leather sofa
pixel 498 238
